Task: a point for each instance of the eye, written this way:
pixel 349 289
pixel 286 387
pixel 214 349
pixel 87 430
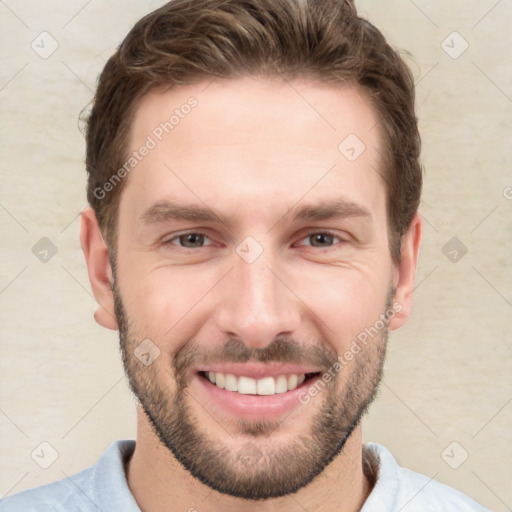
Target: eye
pixel 189 240
pixel 320 239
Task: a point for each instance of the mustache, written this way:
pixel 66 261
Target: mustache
pixel 283 349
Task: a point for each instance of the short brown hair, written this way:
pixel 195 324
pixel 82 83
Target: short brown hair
pixel 187 41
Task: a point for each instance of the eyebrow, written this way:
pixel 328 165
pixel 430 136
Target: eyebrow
pixel 340 208
pixel 165 211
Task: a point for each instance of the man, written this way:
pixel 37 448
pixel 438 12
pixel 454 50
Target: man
pixel 253 234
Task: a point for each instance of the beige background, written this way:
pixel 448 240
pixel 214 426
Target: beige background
pixel 448 376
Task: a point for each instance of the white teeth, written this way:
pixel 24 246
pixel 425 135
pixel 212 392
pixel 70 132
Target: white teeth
pixel 246 386
pixel 281 384
pixel 220 380
pixel 292 381
pixel 250 386
pixel 231 383
pixel 266 386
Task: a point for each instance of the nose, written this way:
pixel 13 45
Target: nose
pixel 256 303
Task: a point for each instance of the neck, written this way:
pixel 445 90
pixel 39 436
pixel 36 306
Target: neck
pixel 156 479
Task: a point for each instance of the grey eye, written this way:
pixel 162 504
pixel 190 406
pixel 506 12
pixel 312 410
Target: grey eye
pixel 321 239
pixel 191 240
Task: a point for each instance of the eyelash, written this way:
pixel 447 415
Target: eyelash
pixel 177 237
pixel 307 235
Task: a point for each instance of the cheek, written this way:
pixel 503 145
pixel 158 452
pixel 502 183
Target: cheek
pixel 165 303
pixel 344 303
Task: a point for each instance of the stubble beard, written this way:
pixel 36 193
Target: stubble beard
pixel 259 470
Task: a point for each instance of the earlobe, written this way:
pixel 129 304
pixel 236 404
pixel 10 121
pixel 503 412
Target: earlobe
pixel 99 269
pixel 406 272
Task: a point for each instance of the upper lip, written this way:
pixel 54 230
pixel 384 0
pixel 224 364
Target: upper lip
pixel 258 370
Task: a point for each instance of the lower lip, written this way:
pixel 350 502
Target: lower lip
pixel 253 407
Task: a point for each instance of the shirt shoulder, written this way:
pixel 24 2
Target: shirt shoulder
pixel 62 495
pixel 419 492
pixel 397 488
pixel 96 489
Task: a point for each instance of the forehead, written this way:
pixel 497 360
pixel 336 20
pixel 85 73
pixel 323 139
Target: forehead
pixel 259 107
pixel 260 139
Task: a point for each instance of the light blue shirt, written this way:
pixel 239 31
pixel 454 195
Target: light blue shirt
pixel 103 488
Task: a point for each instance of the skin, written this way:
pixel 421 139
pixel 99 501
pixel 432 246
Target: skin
pixel 254 152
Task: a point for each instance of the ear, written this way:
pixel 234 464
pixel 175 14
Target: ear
pixel 98 266
pixel 405 272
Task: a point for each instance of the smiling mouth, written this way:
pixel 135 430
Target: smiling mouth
pixel 264 386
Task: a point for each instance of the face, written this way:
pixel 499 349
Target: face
pixel 253 252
